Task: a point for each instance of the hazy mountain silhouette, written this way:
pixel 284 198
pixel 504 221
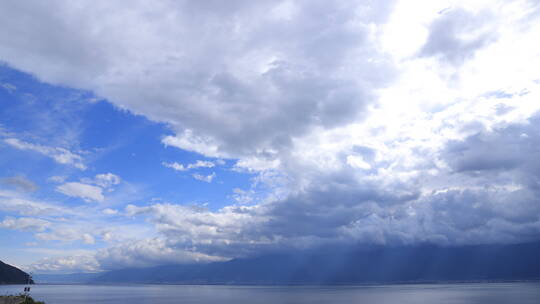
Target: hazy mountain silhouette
pixel 13 275
pixel 70 278
pixel 349 266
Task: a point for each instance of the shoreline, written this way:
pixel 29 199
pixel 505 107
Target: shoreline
pixel 240 284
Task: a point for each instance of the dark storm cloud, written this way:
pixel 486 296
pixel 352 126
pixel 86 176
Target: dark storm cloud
pixel 502 169
pixel 514 147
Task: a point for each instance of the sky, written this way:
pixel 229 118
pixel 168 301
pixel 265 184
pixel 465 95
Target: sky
pixel 197 131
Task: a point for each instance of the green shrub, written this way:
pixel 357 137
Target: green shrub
pixel 29 300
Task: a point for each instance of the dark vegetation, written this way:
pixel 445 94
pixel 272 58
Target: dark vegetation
pixel 29 300
pixel 17 299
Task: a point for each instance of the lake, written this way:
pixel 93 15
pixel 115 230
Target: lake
pixel 492 293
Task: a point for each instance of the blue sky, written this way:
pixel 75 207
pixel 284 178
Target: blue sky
pixel 188 132
pixel 107 139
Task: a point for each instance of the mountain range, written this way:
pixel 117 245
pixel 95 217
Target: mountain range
pixel 361 265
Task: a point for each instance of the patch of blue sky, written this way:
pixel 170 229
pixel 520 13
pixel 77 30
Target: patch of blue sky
pixel 108 139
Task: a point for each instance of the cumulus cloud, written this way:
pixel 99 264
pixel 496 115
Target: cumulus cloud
pixel 455 179
pixel 141 253
pixel 90 189
pixel 148 252
pixel 506 148
pixel 87 192
pixel 60 155
pixel 275 59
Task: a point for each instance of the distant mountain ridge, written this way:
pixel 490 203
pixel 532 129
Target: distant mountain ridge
pixel 13 275
pixel 70 278
pixel 359 266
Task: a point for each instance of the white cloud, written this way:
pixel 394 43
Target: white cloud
pixel 24 224
pixel 87 192
pixel 90 189
pixel 8 86
pixel 254 164
pixel 240 100
pixel 60 155
pixel 204 178
pixel 408 191
pixel 66 233
pixel 148 252
pixel 15 203
pixel 109 211
pixel 356 161
pixel 88 238
pixel 198 164
pixel 201 164
pixel 141 253
pixel 188 141
pixel 91 227
pixel 68 264
pixel 219 233
pixel 176 166
pixel 107 180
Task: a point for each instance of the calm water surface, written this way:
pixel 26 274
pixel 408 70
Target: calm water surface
pixel 492 293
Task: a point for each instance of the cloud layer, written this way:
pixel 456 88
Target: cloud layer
pixel 253 77
pixel 379 122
